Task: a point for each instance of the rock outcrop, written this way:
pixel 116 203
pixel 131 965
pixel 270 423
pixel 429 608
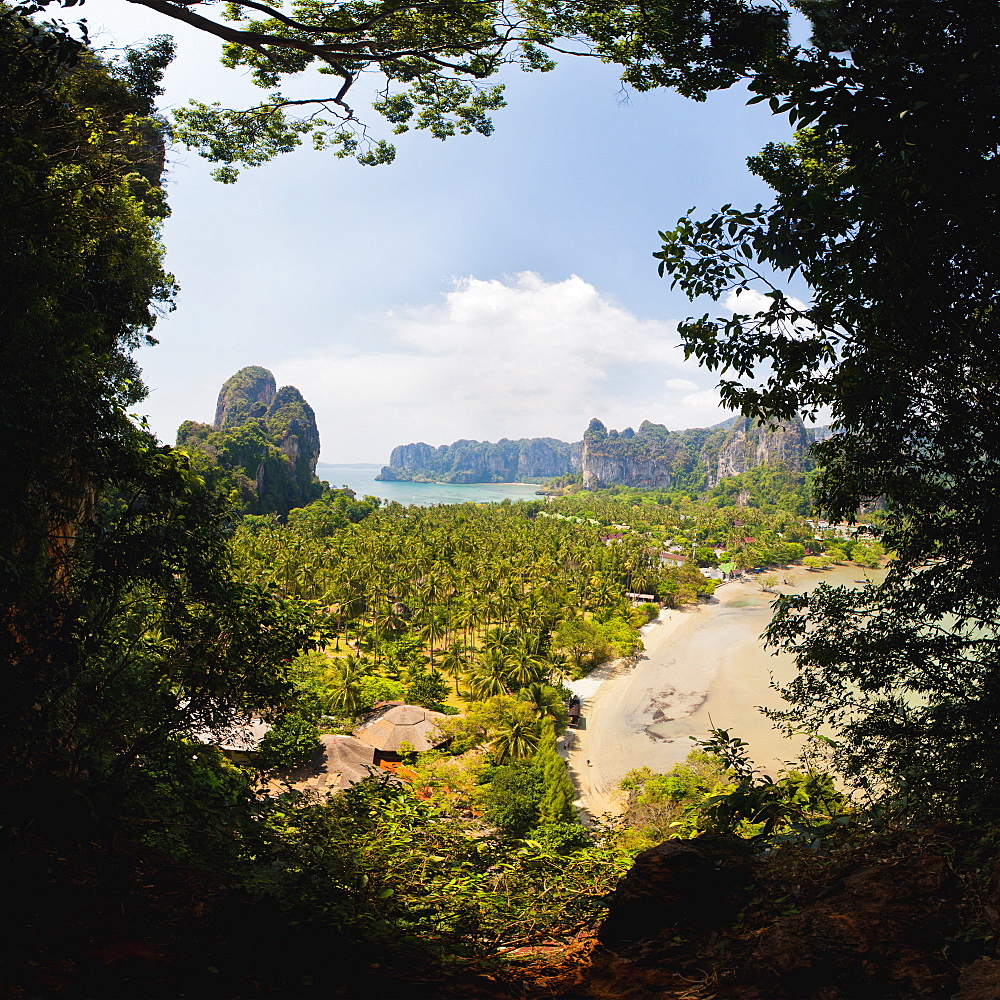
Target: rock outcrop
pixel 656 458
pixel 244 396
pixel 264 440
pixel 895 916
pixel 291 424
pixel 650 458
pixel 749 444
pixel 680 882
pixel 625 459
pixel 464 461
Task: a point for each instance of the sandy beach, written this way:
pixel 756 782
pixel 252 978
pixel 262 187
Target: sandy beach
pixel 701 661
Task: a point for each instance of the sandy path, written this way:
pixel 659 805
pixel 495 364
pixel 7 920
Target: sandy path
pixel 706 660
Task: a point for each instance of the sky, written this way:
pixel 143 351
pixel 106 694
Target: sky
pixel 475 288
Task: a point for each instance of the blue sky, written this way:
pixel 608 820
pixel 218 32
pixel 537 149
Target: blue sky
pixel 476 288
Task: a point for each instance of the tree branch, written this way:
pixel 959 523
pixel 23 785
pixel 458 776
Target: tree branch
pixel 251 39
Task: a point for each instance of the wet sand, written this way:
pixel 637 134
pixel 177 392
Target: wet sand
pixel 703 666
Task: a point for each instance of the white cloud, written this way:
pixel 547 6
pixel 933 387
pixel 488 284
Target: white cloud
pixel 522 357
pixel 750 301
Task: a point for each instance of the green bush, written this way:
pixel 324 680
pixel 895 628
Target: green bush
pixel 291 742
pixel 427 688
pixel 512 797
pixel 373 689
pixel 564 838
pixel 868 553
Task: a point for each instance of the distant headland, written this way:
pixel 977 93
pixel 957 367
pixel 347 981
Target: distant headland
pixel 652 457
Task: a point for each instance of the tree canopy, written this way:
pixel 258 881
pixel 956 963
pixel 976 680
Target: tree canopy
pixel 435 61
pixel 123 626
pixel 885 203
pixel 135 610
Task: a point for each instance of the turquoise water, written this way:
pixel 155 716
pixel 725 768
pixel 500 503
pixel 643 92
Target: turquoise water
pixel 361 479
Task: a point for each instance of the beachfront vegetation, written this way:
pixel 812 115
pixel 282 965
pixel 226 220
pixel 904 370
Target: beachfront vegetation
pixel 386 867
pixel 502 594
pixel 718 790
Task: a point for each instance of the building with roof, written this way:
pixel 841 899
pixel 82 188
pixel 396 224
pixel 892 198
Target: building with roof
pixel 672 557
pixel 395 726
pixel 339 762
pixel 239 740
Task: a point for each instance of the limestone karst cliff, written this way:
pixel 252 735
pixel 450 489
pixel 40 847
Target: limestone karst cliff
pixel 264 442
pixel 750 444
pixel 650 458
pixel 292 425
pixel 504 461
pixel 656 458
pixel 243 396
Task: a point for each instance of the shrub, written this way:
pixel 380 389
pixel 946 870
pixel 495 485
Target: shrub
pixel 564 838
pixel 512 796
pixel 290 742
pixel 373 689
pixel 868 553
pixel 650 610
pixel 427 688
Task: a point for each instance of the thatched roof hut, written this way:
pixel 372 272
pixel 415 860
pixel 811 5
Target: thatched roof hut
pixel 395 725
pixel 237 739
pixel 338 763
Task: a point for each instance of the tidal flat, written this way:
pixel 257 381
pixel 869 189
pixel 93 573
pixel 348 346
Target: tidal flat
pixel 703 667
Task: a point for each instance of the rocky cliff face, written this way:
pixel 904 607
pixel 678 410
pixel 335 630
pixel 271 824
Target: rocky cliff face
pixel 650 458
pixel 547 457
pixel 656 458
pixel 244 395
pixel 466 461
pixel 409 458
pixel 264 439
pixel 292 426
pixel 884 915
pixel 749 445
pixel 621 459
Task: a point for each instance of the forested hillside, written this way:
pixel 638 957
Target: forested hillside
pixel 262 448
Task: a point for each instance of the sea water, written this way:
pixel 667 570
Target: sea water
pixel 360 477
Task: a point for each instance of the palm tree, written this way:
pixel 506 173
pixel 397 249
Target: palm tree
pixel 517 739
pixel 454 662
pixel 491 676
pixel 525 669
pixel 465 617
pixel 559 669
pixel 500 640
pixel 431 629
pixel 345 684
pixel 546 701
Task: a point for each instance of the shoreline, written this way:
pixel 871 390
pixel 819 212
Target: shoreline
pixel 442 482
pixel 703 665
